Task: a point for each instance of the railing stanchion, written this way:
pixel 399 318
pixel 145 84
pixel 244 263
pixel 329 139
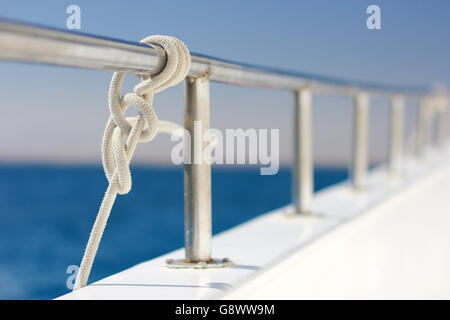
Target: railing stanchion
pixel 423 134
pixel 443 121
pixel 197 175
pixel 396 132
pixel 360 139
pixel 302 178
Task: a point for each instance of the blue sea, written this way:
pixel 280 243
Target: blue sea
pixel 46 214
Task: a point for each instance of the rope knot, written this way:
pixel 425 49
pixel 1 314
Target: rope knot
pixel 144 127
pixel 116 154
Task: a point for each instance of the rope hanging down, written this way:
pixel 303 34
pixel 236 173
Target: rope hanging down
pixel 115 155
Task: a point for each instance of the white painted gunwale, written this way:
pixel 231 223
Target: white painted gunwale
pixel 261 243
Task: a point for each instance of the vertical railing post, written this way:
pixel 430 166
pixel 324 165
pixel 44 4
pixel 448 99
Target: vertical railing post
pixel 302 178
pixel 396 132
pixel 443 121
pixel 423 134
pixel 360 139
pixel 197 174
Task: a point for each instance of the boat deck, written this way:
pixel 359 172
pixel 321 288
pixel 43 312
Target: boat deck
pixel 389 241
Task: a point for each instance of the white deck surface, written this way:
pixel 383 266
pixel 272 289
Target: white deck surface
pixel 390 241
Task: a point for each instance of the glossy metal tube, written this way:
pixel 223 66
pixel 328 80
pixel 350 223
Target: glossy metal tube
pixel 302 177
pixel 423 131
pixel 396 132
pixel 360 140
pixel 197 175
pixel 51 46
pixel 443 118
pixel 37 44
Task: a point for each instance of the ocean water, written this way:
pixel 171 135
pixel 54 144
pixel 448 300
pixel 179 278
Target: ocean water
pixel 46 213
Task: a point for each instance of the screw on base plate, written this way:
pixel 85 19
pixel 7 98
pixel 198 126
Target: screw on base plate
pixel 185 264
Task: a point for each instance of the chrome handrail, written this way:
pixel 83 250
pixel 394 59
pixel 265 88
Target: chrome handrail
pixel 39 44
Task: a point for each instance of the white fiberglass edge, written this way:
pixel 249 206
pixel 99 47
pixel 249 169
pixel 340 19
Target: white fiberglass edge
pixel 282 256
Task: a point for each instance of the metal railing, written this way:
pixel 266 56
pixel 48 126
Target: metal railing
pixel 37 44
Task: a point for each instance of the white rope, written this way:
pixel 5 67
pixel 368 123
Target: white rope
pixel 115 155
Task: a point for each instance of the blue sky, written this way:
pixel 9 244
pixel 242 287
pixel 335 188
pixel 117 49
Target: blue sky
pixel 323 37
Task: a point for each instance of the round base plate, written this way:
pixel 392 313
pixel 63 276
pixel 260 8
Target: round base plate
pixel 185 264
